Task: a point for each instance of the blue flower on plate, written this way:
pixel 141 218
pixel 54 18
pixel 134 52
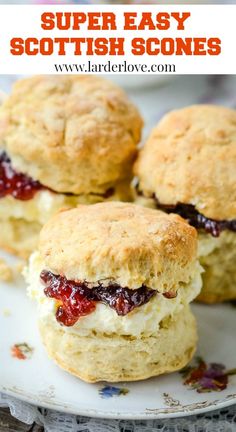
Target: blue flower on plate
pixel 108 391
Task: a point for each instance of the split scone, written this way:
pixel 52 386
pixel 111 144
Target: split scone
pixel 64 140
pixel 113 283
pixel 188 166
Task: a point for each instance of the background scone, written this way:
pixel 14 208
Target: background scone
pixel 113 283
pixel 64 140
pixel 188 166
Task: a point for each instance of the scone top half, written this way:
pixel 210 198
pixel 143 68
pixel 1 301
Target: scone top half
pixel 129 258
pixel 72 134
pixel 188 165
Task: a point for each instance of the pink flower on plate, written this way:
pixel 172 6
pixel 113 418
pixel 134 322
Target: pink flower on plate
pixel 205 378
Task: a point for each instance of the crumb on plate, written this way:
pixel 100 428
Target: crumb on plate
pixel 6 273
pixel 6 312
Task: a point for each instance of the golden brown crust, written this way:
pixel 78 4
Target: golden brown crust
pixel 190 157
pixel 218 257
pixel 19 237
pixel 124 242
pixel 212 297
pixel 74 134
pixel 6 272
pixel 83 356
pixel 21 221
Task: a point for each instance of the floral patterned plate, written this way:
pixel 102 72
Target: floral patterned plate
pixel 209 382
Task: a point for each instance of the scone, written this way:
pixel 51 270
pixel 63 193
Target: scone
pixel 188 166
pixel 113 282
pixel 64 140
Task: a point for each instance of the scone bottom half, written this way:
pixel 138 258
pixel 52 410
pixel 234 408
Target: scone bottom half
pixel 64 141
pixel 187 167
pixel 121 276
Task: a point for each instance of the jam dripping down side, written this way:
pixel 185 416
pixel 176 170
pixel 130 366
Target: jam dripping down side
pixel 78 300
pixel 19 186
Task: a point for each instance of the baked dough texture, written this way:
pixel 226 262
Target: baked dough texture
pixel 22 221
pixel 129 245
pixel 217 256
pixel 218 259
pixel 190 158
pixel 77 135
pixel 18 236
pixel 126 358
pixel 120 242
pixel 74 134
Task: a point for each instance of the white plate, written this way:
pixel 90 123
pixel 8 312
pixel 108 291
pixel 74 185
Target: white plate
pixel 38 381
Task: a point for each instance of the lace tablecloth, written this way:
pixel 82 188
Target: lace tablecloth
pixel 216 421
pixel 154 101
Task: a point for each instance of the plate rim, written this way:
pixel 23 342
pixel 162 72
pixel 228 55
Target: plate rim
pixel 164 411
pixel 143 415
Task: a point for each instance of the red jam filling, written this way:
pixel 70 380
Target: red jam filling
pixel 78 300
pixel 22 187
pixel 18 185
